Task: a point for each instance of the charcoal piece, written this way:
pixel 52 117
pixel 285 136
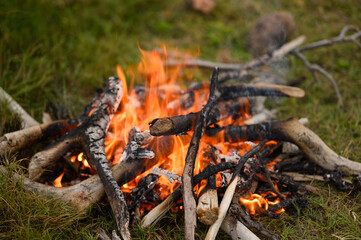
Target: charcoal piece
pixel 303 167
pixel 290 204
pixel 357 183
pixel 144 187
pixel 335 179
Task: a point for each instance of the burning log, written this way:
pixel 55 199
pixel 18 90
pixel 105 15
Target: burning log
pixel 292 131
pixel 187 178
pixel 228 196
pixel 25 118
pixel 28 136
pixel 184 123
pixel 207 208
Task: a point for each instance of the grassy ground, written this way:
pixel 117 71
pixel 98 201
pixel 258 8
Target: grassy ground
pixel 61 51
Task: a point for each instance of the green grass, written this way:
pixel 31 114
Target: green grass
pixel 61 51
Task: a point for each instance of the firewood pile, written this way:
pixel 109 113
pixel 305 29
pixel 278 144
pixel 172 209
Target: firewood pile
pixel 212 150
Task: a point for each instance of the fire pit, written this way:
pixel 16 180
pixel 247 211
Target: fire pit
pixel 160 142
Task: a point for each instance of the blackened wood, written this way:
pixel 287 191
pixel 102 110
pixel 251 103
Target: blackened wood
pixel 23 138
pixel 140 192
pixel 173 125
pixel 187 178
pixel 291 131
pixel 301 203
pixel 93 137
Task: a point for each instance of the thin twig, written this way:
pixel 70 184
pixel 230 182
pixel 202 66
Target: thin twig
pixel 341 38
pixel 313 68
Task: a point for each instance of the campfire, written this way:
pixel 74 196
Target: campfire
pixel 203 149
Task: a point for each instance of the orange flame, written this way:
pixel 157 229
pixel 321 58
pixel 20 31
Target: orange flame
pixel 57 181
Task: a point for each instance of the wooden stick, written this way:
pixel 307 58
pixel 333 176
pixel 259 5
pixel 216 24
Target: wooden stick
pixel 341 38
pixel 299 177
pixel 236 229
pixel 184 123
pixel 29 136
pixel 265 59
pixel 292 131
pixel 313 68
pixel 187 178
pixel 26 119
pixel 228 195
pixel 260 89
pixel 207 208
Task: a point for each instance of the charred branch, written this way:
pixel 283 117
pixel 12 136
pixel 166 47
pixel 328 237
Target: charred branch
pixel 291 131
pixel 184 123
